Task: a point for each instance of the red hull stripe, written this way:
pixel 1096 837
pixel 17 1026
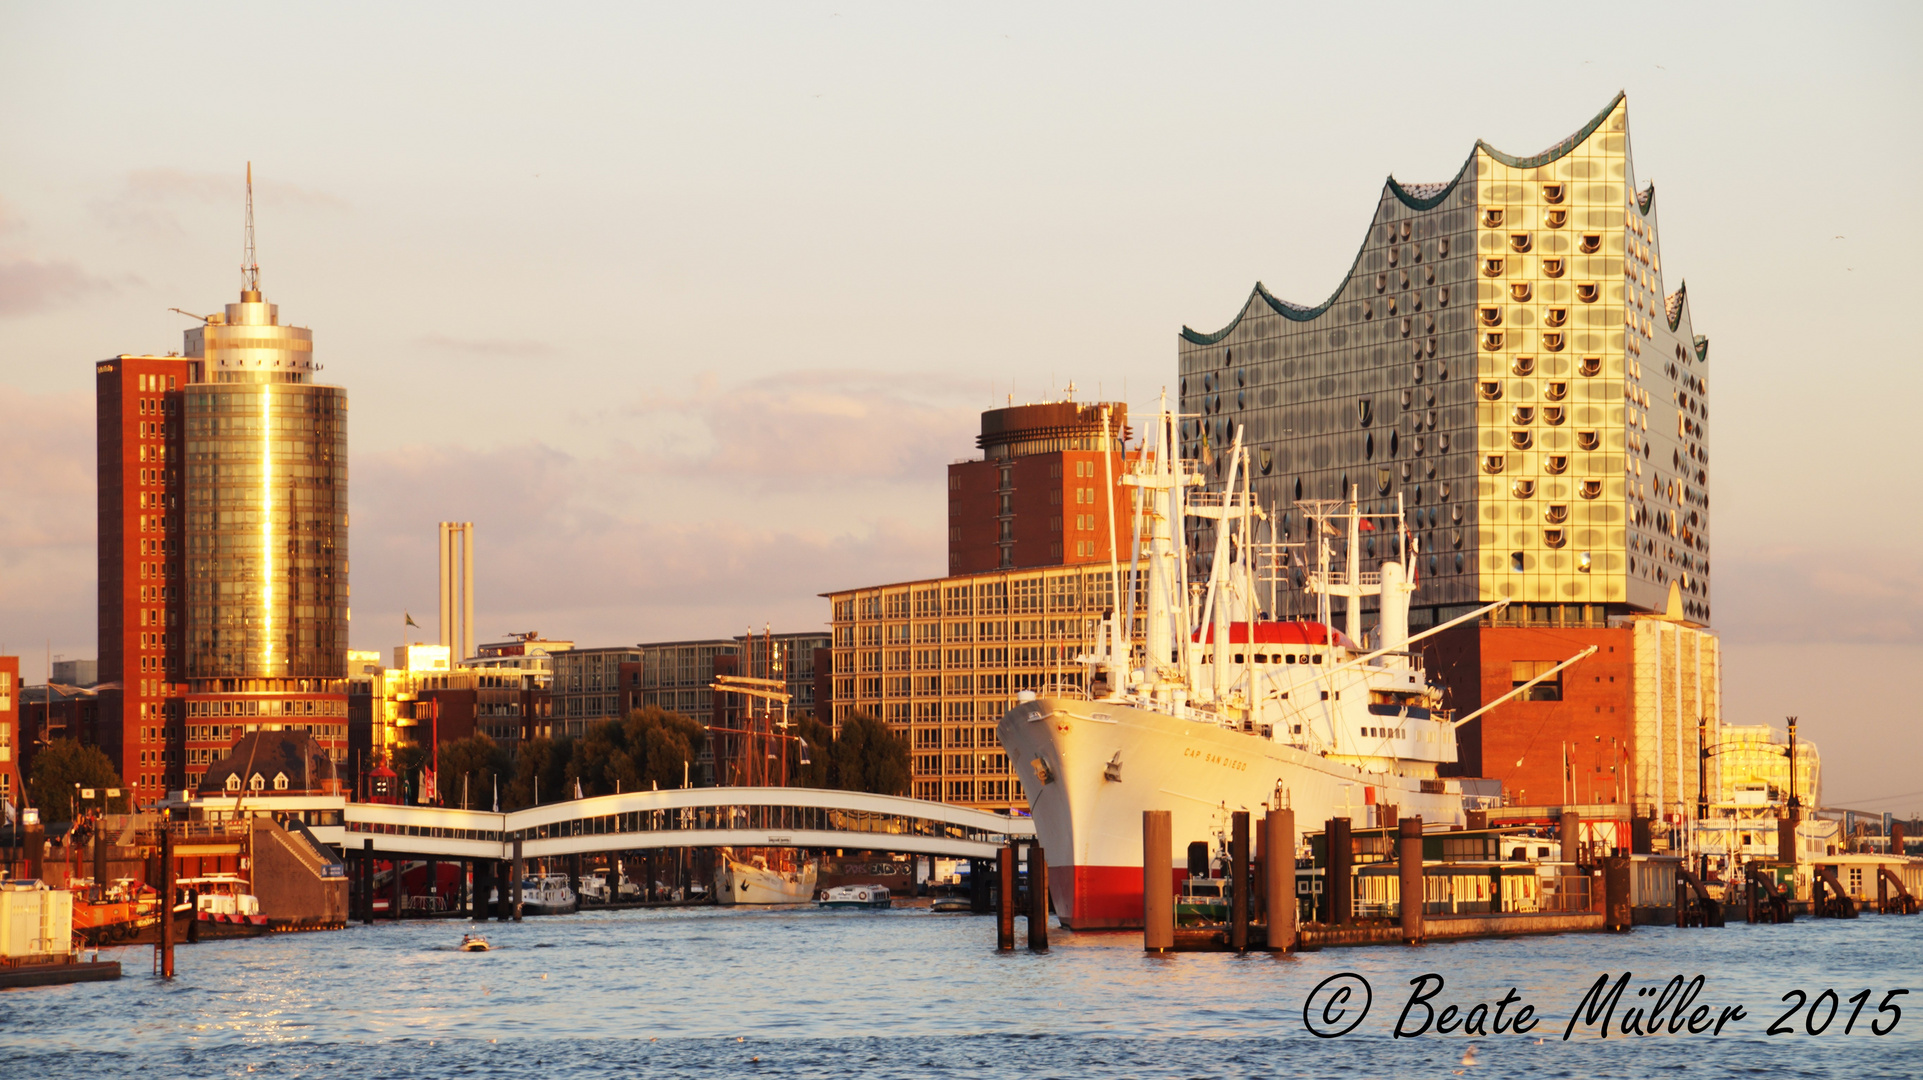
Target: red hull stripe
pixel 1100 897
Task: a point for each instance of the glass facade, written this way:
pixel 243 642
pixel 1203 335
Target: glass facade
pixel 266 530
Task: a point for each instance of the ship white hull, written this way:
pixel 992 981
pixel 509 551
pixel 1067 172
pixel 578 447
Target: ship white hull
pixel 1107 762
pixel 736 882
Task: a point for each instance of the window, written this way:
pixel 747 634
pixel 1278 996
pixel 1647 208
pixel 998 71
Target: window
pixel 1492 218
pixel 1523 365
pixel 1520 242
pixel 1588 291
pixel 1555 391
pixel 1552 193
pixel 1556 316
pixel 1492 268
pixel 1523 414
pixel 1555 464
pixel 1517 561
pixel 1491 340
pixel 1521 440
pixel 1549 689
pixel 1552 339
pixel 1523 489
pixel 1556 513
pixel 1552 268
pixel 1592 488
pixel 1556 219
pixel 1490 390
pixel 1493 464
pixel 1588 440
pixel 1591 243
pixel 1552 538
pixel 1521 291
pixel 1552 414
pixel 1489 316
pixel 1590 366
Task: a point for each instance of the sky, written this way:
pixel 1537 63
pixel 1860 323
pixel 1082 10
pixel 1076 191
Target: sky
pixel 687 306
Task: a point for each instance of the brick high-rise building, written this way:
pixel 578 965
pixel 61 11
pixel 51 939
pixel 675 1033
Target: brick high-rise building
pixel 1041 494
pixel 223 545
pixel 10 778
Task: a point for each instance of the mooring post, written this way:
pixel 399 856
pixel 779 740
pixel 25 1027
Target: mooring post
pixel 1570 833
pixel 1037 897
pixel 367 881
pixel 400 888
pixel 1616 911
pixel 1158 881
pixel 1336 873
pixel 1682 898
pixel 519 871
pixel 1749 890
pixel 483 881
pixel 1005 900
pixel 166 902
pixel 1239 874
pixel 978 886
pixel 1278 866
pixel 1409 874
pixel 100 861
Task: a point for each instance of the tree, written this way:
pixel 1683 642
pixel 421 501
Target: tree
pixel 478 763
pixel 647 748
pixel 540 768
pixel 60 767
pixel 869 757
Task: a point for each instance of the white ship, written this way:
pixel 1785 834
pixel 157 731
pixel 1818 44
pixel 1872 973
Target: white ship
pixel 1206 718
pixel 752 880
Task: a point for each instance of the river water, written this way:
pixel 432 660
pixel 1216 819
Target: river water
pixel 907 993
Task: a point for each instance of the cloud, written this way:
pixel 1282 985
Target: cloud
pixel 507 347
pixel 585 548
pixel 148 201
pixel 47 521
pixel 1798 594
pixel 28 286
pixel 813 428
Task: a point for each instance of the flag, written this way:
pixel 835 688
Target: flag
pixel 577 788
pixel 497 794
pixel 411 622
pixel 1367 525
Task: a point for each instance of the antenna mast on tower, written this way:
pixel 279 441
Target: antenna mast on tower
pixel 249 268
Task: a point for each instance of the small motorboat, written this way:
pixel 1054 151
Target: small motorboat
pixel 855 896
pixel 474 943
pixel 952 905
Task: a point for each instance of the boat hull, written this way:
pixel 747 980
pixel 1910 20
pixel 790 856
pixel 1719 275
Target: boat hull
pixel 1090 768
pixel 737 882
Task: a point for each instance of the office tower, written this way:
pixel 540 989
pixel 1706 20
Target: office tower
pixel 457 588
pixel 10 742
pixel 1505 361
pixel 141 542
pixel 222 544
pixel 1035 497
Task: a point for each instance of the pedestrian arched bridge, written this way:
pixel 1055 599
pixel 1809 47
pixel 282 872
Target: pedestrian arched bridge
pixel 687 817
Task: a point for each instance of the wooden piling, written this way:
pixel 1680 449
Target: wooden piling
pixel 1749 890
pixel 399 902
pixel 166 902
pixel 519 871
pixel 1005 901
pixel 100 862
pixel 1338 870
pixel 1278 865
pixel 504 890
pixel 483 881
pixel 1616 911
pixel 1409 874
pixel 978 886
pixel 367 881
pixel 1037 898
pixel 1158 881
pixel 1570 833
pixel 1239 875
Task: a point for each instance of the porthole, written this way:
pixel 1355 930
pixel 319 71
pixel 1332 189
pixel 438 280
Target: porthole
pixel 1523 365
pixel 1390 306
pixel 1521 291
pixel 1492 218
pixel 1455 512
pixel 1552 538
pixel 1442 246
pixel 1381 282
pixel 1588 291
pixel 1493 464
pixel 1489 390
pixel 1405 327
pixel 1298 488
pixel 1521 440
pixel 1555 316
pixel 1552 414
pixel 1442 444
pixel 1520 242
pixel 1408 398
pixel 1492 268
pixel 1442 366
pixel 1241 376
pixel 1556 513
pixel 1458 560
pixel 1395 443
pixel 1408 470
pixel 1590 365
pixel 1383 481
pixel 1588 440
pixel 1555 464
pixel 1552 193
pixel 1368 446
pixel 1592 489
pixel 1591 243
pixel 1419 446
pixel 1552 268
pixel 1555 391
pixel 1394 255
pixel 1552 340
pixel 1418 373
pixel 1556 219
pixel 1268 461
pixel 1442 296
pixel 1523 414
pixel 1406 229
pixel 1432 419
pixel 1492 340
pixel 1368 310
